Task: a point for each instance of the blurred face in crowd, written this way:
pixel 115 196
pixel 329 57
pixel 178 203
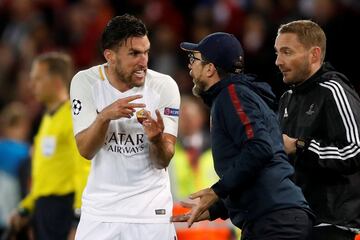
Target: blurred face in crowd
pixel 293 59
pixel 129 61
pixel 192 118
pixel 42 82
pixel 197 72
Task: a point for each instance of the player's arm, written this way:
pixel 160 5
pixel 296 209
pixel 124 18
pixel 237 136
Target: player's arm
pixel 90 140
pixel 162 151
pixel 162 145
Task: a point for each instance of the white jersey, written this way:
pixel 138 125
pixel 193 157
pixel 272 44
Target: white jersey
pixel 123 185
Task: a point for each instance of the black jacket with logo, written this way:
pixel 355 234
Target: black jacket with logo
pixel 249 158
pixel 325 111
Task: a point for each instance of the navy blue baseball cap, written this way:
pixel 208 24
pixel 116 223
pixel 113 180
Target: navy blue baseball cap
pixel 221 49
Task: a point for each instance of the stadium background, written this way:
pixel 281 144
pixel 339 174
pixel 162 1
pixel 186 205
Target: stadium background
pixel 31 27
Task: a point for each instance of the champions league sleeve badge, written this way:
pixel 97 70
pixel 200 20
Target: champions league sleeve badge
pixel 171 112
pixel 76 106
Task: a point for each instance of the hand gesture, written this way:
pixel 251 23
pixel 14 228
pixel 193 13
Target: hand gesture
pixel 153 128
pixel 198 211
pixel 185 217
pixel 122 108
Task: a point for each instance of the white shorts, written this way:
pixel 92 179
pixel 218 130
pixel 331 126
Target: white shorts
pixel 95 230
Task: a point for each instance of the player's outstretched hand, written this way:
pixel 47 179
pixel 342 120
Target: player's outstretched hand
pixel 122 108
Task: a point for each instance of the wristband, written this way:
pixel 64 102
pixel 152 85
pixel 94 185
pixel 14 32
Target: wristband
pixel 300 145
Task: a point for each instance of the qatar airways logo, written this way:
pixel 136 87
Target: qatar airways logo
pixel 124 143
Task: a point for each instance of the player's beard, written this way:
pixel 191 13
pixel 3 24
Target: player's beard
pixel 127 78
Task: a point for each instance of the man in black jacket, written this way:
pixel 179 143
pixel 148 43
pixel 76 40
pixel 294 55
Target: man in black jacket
pixel 254 190
pixel 320 119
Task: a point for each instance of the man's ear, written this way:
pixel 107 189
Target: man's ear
pixel 210 69
pixel 109 56
pixel 315 54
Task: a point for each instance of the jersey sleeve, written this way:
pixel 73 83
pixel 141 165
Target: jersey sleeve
pixel 83 106
pixel 169 105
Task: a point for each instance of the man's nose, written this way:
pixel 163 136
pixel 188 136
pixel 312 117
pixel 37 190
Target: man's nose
pixel 278 61
pixel 144 58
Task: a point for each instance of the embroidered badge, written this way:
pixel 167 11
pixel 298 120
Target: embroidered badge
pixel 311 110
pixel 171 111
pixel 76 106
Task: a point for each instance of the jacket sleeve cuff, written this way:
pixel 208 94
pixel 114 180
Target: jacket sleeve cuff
pixel 219 189
pixel 218 210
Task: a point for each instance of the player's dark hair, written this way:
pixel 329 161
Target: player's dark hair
pixel 119 29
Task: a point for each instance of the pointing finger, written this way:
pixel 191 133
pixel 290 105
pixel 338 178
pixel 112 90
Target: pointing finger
pixel 135 105
pixel 132 98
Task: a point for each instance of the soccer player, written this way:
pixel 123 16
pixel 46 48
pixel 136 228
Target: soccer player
pixel 125 119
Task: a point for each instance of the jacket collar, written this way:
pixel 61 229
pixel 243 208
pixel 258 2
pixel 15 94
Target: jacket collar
pixel 209 95
pixel 316 77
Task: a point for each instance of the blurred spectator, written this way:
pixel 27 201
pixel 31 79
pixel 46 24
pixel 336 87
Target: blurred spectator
pixel 257 42
pixel 158 12
pixel 187 173
pixel 14 154
pixel 192 169
pixel 7 71
pixel 81 29
pixel 164 47
pixel 339 23
pixel 33 27
pixel 228 16
pixel 55 159
pixel 22 16
pixel 30 27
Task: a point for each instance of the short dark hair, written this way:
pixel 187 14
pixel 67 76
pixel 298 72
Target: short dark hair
pixel 223 73
pixel 119 29
pixel 59 64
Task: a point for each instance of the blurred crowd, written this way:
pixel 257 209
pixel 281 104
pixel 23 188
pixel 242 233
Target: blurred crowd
pixel 31 27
